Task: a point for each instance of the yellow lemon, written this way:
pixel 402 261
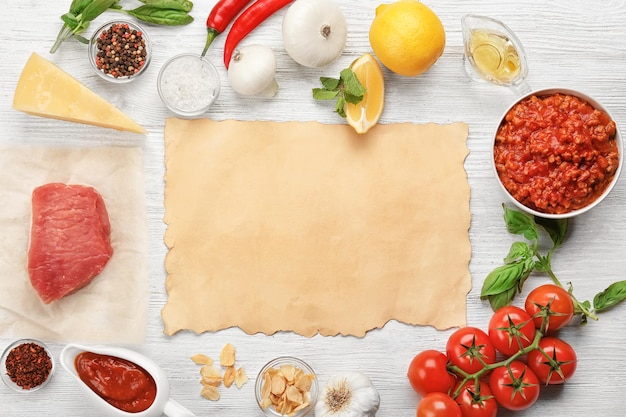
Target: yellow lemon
pixel 407 37
pixel 366 113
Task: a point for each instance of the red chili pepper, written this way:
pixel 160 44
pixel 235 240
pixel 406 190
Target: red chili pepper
pixel 252 17
pixel 220 16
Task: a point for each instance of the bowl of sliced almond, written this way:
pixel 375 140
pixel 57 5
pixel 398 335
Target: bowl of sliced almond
pixel 286 386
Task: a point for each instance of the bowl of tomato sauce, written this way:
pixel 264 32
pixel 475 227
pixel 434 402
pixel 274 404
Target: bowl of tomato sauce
pixel 557 153
pixel 121 382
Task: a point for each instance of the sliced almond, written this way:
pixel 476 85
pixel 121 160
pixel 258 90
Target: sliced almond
pixel 229 376
pixel 214 381
pixel 240 377
pixel 201 359
pixel 210 371
pixel 293 394
pixel 278 384
pixel 288 372
pixel 210 393
pixel 227 356
pixel 266 403
pixel 266 388
pixel 304 382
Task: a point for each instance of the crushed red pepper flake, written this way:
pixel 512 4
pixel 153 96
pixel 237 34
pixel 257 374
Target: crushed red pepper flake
pixel 28 365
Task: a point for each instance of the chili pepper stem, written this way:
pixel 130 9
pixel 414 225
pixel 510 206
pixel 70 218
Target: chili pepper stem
pixel 211 35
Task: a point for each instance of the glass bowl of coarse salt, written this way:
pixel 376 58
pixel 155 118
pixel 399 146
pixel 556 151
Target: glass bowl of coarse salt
pixel 188 84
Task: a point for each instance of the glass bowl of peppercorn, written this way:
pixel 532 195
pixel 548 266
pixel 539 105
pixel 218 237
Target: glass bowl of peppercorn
pixel 120 51
pixel 27 365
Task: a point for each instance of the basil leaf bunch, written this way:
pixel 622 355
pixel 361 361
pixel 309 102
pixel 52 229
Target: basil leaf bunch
pixel 503 283
pixel 82 12
pixel 78 18
pixel 346 88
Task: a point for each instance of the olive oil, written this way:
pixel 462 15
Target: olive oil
pixel 494 55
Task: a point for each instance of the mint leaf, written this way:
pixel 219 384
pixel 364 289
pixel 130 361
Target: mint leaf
pixel 324 94
pixel 353 89
pixel 330 83
pixel 345 89
pixel 340 106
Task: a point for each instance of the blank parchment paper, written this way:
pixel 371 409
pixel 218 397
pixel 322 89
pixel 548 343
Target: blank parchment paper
pixel 113 307
pixel 311 228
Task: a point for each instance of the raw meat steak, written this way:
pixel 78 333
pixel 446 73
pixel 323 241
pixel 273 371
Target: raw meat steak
pixel 70 241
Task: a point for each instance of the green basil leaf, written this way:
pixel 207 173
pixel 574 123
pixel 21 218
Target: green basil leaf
pixel 518 251
pixel 183 5
pixel 70 20
pixel 78 6
pixel 502 279
pixel 520 223
pixel 324 94
pixel 611 296
pixel 503 299
pixel 81 39
pixel 95 9
pixel 166 17
pixel 557 229
pixel 542 265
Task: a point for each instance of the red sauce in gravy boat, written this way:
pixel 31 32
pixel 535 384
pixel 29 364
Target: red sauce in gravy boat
pixel 121 382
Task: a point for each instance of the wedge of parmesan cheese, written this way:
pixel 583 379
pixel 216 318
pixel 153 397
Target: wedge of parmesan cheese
pixel 46 90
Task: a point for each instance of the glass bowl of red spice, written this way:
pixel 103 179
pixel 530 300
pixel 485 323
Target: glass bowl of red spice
pixel 557 153
pixel 120 51
pixel 27 365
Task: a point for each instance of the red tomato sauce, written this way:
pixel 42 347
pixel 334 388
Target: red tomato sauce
pixel 119 382
pixel 556 154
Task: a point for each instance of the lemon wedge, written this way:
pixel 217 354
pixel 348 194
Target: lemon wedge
pixel 365 114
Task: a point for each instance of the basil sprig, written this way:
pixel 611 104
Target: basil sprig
pixel 506 281
pixel 82 12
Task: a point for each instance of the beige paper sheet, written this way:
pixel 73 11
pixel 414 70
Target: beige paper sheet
pixel 113 307
pixel 311 228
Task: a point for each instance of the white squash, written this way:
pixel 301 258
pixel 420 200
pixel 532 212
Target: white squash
pixel 350 394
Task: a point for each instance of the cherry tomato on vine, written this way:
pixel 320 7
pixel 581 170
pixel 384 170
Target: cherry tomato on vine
pixel 438 404
pixel 511 329
pixel 428 373
pixel 515 387
pixel 554 361
pixel 469 348
pixel 552 302
pixel 476 400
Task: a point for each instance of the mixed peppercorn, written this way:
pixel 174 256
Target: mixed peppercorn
pixel 28 365
pixel 121 51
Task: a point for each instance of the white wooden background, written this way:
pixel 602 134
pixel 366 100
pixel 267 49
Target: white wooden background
pixel 571 43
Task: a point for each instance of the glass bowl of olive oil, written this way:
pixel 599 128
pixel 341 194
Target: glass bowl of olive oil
pixel 493 53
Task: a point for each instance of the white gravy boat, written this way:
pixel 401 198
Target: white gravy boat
pixel 162 404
